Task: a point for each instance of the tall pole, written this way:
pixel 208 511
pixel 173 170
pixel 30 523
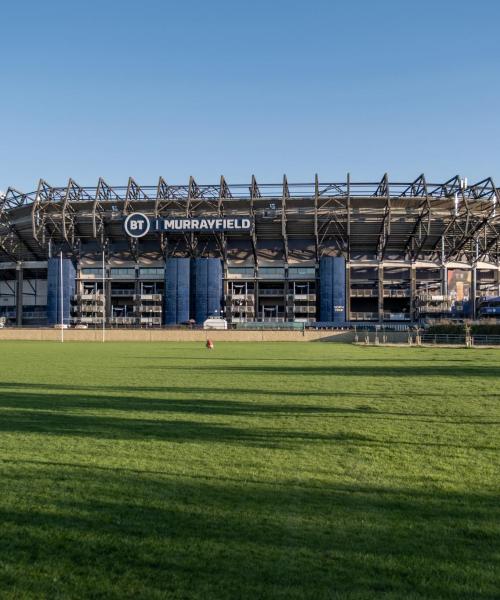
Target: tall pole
pixel 61 295
pixel 103 298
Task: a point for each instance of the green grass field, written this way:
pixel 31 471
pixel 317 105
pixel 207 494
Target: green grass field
pixel 284 471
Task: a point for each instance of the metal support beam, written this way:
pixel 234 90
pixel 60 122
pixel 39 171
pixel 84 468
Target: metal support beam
pixel 193 192
pixel 74 193
pixel 284 197
pixel 385 230
pixel 422 227
pixel 104 194
pixel 254 193
pixel 134 194
pixel 348 205
pixel 316 198
pixel 11 242
pixel 416 189
pixel 224 192
pixel 471 233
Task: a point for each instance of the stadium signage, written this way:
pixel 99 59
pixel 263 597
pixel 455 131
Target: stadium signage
pixel 137 225
pixel 202 224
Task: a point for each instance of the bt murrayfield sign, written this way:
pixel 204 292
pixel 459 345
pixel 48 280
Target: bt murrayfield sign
pixel 137 225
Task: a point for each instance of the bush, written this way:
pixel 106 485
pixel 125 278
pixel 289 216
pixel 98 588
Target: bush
pixel 459 329
pixel 486 329
pixel 447 329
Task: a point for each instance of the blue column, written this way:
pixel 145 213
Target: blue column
pixel 326 289
pixel 207 289
pixel 332 306
pixel 214 287
pixel 54 283
pixel 177 288
pixel 338 290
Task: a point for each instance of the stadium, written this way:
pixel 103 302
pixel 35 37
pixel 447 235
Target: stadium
pixel 178 463
pixel 320 254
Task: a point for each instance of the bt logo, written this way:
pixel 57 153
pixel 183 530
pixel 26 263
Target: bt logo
pixel 136 225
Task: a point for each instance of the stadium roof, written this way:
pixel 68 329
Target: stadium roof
pixel 450 220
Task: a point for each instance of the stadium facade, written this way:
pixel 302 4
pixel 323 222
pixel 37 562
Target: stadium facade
pixel 319 253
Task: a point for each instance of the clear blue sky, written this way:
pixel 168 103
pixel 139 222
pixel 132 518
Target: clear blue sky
pixel 145 88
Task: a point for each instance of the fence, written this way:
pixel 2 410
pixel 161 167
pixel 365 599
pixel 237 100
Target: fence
pixel 271 325
pixel 413 338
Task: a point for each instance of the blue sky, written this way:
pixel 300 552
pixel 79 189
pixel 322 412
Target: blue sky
pixel 147 88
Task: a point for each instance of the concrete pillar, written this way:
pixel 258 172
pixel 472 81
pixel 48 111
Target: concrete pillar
pixel 473 292
pixel 257 310
pixel 380 292
pixel 226 311
pixel 107 294
pixel 347 292
pixel 137 299
pixel 288 301
pixel 19 294
pixel 444 280
pixel 413 290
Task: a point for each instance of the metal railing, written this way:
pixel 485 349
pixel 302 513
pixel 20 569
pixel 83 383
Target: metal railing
pixel 122 320
pixel 432 298
pixel 96 297
pixel 280 318
pixel 302 309
pixel 153 308
pixel 91 307
pixel 486 340
pixel 122 292
pixel 382 336
pixel 239 300
pixel 34 315
pixel 434 309
pixel 454 339
pixel 87 320
pixel 396 293
pixel 364 316
pixel 271 292
pixel 297 296
pixel 281 325
pixel 364 293
pixel 396 316
pixel 240 295
pixel 442 338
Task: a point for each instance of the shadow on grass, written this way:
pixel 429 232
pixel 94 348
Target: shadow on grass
pixel 465 371
pixel 210 401
pixel 414 359
pixel 54 416
pixel 78 531
pixel 98 393
pixel 172 430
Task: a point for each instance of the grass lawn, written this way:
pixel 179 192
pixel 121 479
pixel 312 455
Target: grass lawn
pixel 287 471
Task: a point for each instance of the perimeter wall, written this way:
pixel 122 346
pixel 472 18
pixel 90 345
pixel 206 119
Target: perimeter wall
pixel 175 335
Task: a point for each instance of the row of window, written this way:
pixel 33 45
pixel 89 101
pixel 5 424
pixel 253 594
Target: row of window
pixel 245 271
pixel 124 271
pixel 292 271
